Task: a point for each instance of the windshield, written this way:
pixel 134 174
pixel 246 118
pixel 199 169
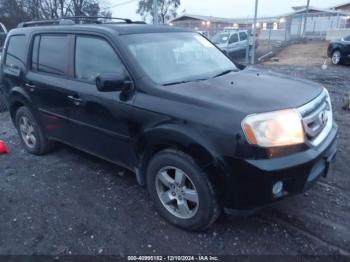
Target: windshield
pixel 220 39
pixel 177 57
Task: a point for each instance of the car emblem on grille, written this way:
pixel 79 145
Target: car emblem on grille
pixel 323 117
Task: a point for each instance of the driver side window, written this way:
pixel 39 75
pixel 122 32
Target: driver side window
pixel 233 39
pixel 94 56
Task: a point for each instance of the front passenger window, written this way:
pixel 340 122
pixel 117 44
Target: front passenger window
pixel 94 56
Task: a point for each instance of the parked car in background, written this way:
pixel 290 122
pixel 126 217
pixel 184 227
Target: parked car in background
pixel 167 104
pixel 232 41
pixel 339 50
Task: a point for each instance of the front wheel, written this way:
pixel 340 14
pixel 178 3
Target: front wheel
pixel 336 57
pixel 181 191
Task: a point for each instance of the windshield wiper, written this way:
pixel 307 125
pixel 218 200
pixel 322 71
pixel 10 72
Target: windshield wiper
pixel 184 81
pixel 225 72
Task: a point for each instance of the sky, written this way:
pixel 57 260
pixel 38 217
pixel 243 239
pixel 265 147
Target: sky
pixel 223 8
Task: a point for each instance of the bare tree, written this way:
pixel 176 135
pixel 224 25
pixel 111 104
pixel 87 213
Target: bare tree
pixel 167 9
pixel 13 12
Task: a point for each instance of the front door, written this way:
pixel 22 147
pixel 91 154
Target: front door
pixel 100 120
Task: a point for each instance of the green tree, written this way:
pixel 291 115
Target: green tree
pixel 167 9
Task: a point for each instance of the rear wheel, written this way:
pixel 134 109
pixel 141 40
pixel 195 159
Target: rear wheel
pixel 31 134
pixel 336 57
pixel 181 191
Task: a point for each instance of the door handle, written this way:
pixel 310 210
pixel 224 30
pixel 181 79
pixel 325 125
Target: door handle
pixel 75 100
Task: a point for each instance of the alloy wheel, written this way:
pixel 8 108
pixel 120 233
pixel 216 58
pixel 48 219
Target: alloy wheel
pixel 27 132
pixel 336 57
pixel 177 192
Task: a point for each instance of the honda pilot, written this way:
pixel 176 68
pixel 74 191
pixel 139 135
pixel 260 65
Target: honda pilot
pixel 201 135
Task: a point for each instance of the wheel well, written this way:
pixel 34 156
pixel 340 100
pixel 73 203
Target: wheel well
pixel 199 155
pixel 336 49
pixel 13 109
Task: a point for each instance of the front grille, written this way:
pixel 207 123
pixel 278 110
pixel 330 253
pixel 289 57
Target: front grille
pixel 317 118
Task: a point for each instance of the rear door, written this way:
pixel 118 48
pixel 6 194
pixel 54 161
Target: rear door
pixel 233 43
pixel 47 81
pixel 243 40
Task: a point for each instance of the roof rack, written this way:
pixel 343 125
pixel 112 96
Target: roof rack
pixel 72 20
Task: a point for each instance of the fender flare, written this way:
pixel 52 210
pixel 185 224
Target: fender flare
pixel 175 136
pixel 337 46
pixel 18 95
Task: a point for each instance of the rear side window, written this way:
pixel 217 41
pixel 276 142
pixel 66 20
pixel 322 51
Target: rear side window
pixel 94 56
pixel 347 38
pixel 50 54
pixel 233 39
pixel 243 36
pixel 15 55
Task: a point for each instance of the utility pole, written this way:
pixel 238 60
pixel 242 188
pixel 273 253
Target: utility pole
pixel 254 31
pixel 306 16
pixel 155 12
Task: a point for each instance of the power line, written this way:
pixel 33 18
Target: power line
pixel 122 3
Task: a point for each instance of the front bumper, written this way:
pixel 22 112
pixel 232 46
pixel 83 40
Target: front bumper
pixel 249 184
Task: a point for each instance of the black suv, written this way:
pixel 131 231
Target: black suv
pixel 339 50
pixel 164 102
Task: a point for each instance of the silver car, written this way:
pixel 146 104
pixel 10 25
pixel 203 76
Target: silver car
pixel 231 41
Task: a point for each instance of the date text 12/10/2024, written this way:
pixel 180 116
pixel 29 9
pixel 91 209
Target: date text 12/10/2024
pixel 173 258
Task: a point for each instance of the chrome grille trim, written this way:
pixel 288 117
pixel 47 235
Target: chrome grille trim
pixel 317 118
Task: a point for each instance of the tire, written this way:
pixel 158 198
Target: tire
pixel 3 106
pixel 30 132
pixel 336 58
pixel 192 204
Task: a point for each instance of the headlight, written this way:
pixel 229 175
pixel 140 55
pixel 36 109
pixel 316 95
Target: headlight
pixel 280 128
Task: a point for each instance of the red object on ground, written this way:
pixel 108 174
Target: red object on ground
pixel 3 148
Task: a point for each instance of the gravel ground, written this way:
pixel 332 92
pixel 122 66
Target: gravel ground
pixel 69 202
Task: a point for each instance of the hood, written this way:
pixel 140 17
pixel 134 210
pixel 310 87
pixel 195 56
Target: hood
pixel 338 41
pixel 249 91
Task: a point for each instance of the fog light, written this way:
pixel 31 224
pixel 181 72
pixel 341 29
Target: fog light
pixel 277 188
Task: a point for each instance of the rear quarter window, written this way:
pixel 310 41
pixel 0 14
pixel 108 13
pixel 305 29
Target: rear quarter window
pixel 15 54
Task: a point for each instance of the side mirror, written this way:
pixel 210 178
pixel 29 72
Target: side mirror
pixel 112 82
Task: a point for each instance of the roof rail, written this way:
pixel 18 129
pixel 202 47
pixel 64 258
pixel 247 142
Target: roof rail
pixel 95 19
pixel 46 22
pixel 72 20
